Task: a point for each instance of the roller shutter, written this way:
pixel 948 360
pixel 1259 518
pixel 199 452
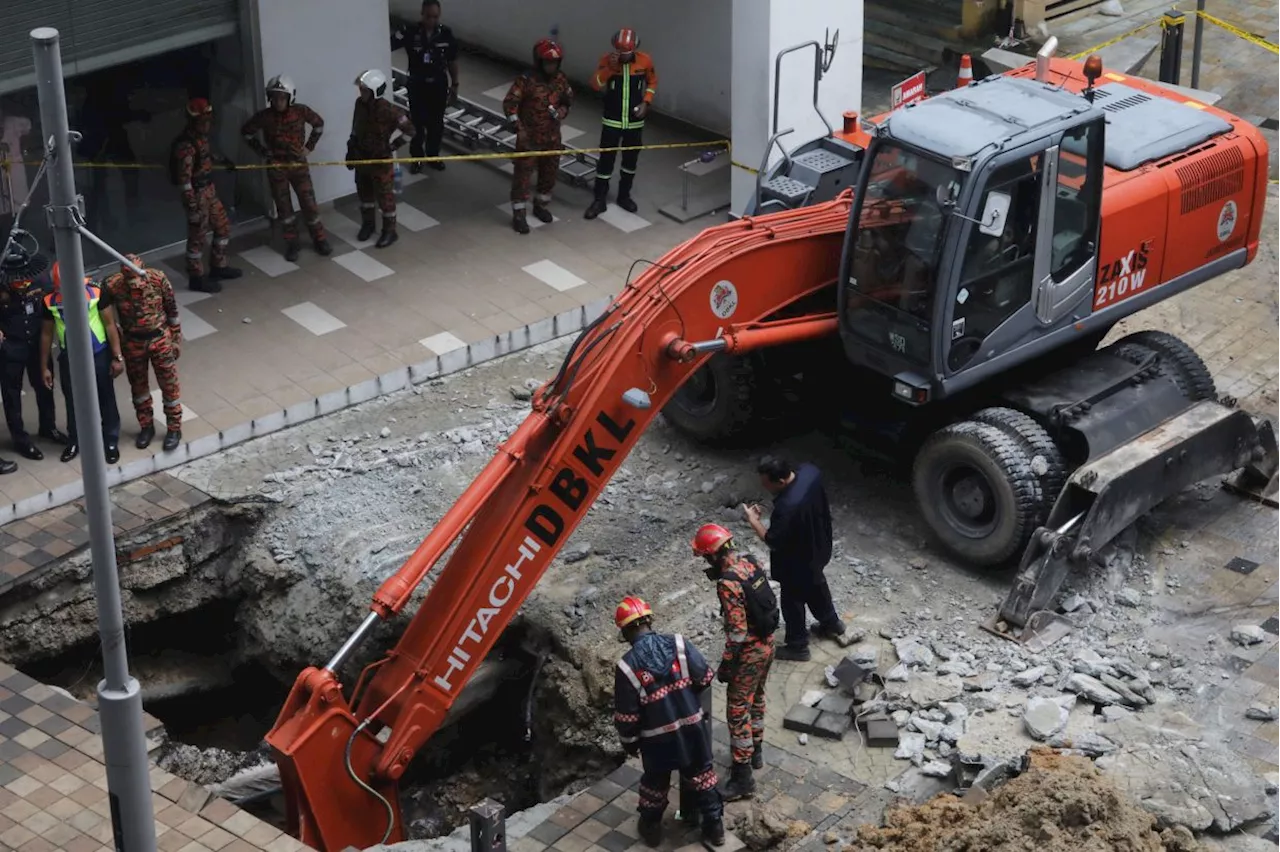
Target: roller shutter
pixel 101 33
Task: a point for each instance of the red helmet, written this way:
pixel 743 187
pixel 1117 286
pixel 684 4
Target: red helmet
pixel 549 50
pixel 197 107
pixel 710 538
pixel 56 274
pixel 625 41
pixel 631 609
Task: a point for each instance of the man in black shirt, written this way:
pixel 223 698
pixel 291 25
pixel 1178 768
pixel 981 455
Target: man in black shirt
pixel 799 540
pixel 433 80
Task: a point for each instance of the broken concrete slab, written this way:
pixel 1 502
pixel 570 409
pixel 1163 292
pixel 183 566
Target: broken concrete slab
pixel 1247 634
pixel 936 769
pixel 1094 745
pixel 910 745
pixel 1262 713
pixel 982 682
pixel 1044 718
pixel 913 651
pixel 898 674
pixel 1129 597
pixel 1029 677
pixel 1190 784
pixel 1094 690
pixel 926 690
pixel 801 719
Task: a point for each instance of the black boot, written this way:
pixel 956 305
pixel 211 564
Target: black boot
pixel 7 466
pixel 624 193
pixel 792 654
pixel 323 248
pixel 713 832
pixel 650 831
pixel 598 206
pixel 689 813
pixel 224 273
pixel 387 237
pixel 144 437
pixel 70 452
pixel 291 251
pixel 172 439
pixel 519 222
pixel 112 453
pixel 29 450
pixel 366 230
pixel 757 756
pixel 741 784
pixel 204 285
pixel 542 214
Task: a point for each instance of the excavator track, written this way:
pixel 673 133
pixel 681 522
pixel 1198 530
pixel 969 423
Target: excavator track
pixel 341 756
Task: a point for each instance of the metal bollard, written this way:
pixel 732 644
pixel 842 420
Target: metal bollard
pixel 488 827
pixel 1171 25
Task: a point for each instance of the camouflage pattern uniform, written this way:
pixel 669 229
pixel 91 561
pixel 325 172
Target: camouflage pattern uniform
pixel 285 134
pixel 372 125
pixel 533 100
pixel 152 332
pixel 747 658
pixel 200 199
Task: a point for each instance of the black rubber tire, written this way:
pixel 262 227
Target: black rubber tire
pixel 1000 467
pixel 718 402
pixel 1177 360
pixel 1046 459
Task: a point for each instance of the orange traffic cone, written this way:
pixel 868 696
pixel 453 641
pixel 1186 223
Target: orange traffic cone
pixel 966 72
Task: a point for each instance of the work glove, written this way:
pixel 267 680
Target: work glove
pixel 725 673
pixel 512 124
pixel 353 153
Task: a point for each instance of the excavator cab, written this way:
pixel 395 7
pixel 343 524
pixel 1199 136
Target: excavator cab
pixel 973 235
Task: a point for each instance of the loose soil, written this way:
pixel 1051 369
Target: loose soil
pixel 1062 803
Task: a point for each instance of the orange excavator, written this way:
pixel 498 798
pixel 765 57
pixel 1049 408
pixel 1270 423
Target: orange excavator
pixel 959 276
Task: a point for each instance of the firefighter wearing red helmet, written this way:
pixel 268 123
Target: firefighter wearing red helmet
pixel 750 613
pixel 658 712
pixel 536 104
pixel 191 169
pixel 628 81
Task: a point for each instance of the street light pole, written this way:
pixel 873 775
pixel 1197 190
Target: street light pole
pixel 119 696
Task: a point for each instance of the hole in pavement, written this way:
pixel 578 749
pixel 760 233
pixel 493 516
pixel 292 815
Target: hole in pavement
pixel 218 692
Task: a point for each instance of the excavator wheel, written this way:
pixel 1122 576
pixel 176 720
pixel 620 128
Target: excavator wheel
pixel 1177 359
pixel 1046 458
pixel 978 492
pixel 718 402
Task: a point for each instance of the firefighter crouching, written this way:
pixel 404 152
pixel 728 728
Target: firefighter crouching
pixel 658 713
pixel 536 104
pixel 283 128
pixel 373 124
pixel 750 613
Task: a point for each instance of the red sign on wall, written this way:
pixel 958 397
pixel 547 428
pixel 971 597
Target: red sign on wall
pixel 908 91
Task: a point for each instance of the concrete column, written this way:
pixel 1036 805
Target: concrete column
pixel 762 28
pixel 323 49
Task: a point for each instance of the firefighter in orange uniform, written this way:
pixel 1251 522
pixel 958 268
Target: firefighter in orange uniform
pixel 751 616
pixel 373 124
pixel 628 81
pixel 537 102
pixel 191 168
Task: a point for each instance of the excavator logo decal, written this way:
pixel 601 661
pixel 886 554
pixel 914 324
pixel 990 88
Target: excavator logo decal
pixel 1227 221
pixel 724 299
pixel 545 524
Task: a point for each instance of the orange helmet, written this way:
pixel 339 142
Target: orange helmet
pixel 631 610
pixel 56 275
pixel 625 41
pixel 197 107
pixel 549 50
pixel 710 538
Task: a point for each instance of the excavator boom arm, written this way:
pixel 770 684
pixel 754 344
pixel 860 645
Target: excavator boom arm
pixel 341 757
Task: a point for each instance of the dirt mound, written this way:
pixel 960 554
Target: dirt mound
pixel 1062 803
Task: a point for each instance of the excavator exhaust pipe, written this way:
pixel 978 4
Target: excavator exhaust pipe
pixel 1043 55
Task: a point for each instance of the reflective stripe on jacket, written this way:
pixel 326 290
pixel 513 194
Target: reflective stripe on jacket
pixel 625 89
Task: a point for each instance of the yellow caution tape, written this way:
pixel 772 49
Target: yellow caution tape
pixel 1236 31
pixel 1085 53
pixel 512 155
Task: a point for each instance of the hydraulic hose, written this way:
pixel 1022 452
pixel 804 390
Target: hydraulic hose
pixel 528 701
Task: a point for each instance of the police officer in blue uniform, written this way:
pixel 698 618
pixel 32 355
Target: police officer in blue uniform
pixel 21 318
pixel 433 80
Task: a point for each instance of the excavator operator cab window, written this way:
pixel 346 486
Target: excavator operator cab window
pixel 902 219
pixel 1077 203
pixel 998 267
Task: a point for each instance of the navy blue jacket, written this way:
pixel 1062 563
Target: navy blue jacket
pixel 658 702
pixel 799 535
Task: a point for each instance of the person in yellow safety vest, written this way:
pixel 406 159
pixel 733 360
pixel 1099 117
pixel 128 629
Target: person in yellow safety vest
pixel 628 81
pixel 108 362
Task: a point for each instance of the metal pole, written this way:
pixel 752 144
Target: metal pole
pixel 1171 26
pixel 1195 49
pixel 119 697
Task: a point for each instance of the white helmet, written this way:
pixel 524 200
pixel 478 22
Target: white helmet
pixel 284 85
pixel 373 80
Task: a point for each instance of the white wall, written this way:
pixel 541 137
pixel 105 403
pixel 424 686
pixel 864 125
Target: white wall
pixel 689 42
pixel 762 28
pixel 324 45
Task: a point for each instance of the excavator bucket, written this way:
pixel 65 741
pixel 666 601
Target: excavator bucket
pixel 1107 494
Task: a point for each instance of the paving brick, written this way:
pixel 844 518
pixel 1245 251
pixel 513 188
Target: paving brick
pixel 801 719
pixel 832 726
pixel 836 703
